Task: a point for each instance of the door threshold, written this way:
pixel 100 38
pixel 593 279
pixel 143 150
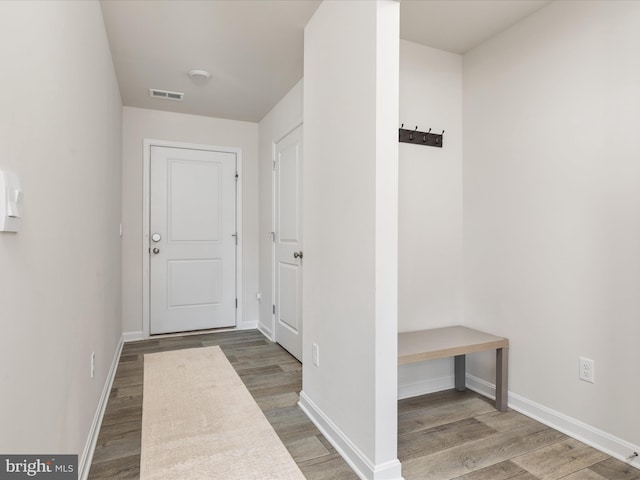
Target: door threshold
pixel 195 332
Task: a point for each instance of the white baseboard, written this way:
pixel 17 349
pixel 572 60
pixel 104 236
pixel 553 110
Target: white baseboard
pixel 266 332
pixel 92 439
pixel 248 325
pixel 594 437
pixel 415 388
pixel 359 462
pixel 132 336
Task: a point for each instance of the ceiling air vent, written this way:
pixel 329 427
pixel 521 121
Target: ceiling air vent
pixel 154 92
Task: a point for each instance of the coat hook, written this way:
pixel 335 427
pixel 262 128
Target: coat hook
pixel 411 134
pixel 429 131
pixel 402 126
pixel 442 132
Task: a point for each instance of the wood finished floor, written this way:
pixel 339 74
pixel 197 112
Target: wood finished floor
pixel 446 435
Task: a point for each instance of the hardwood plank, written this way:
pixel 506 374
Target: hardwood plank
pixel 118 430
pixel 122 468
pixel 585 474
pixel 243 345
pixel 613 469
pixel 248 371
pixel 291 424
pixel 129 358
pixel 447 434
pixel 269 385
pixel 128 391
pixel 468 406
pixel 500 471
pixel 129 368
pixel 432 400
pixel 471 456
pixel 560 459
pixel 127 381
pixel 328 467
pixel 432 440
pixel 307 448
pixel 271 402
pixel 327 445
pixel 122 415
pixel 505 421
pixel 123 445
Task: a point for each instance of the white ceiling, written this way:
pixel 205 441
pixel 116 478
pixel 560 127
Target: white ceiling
pixel 254 48
pixel 459 25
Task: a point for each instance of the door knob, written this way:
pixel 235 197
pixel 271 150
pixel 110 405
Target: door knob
pixel 156 250
pixel 297 254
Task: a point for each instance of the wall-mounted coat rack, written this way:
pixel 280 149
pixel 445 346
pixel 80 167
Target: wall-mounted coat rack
pixel 421 138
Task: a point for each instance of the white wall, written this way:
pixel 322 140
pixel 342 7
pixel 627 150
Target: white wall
pixel 282 118
pixel 139 124
pixel 552 207
pixel 430 207
pixel 350 229
pixel 60 127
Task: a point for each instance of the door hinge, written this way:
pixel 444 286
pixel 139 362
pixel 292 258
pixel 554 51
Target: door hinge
pixel 236 303
pixel 237 176
pixel 235 235
pixel 273 236
pixel 274 309
pixel 274 164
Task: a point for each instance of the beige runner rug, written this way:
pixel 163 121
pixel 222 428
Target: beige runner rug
pixel 200 422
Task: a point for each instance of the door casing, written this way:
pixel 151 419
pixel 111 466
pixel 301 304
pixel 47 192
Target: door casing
pixel 146 215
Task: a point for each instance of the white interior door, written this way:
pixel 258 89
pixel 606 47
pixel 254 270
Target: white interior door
pixel 192 239
pixel 288 242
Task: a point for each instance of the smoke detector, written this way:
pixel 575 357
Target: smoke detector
pixel 199 75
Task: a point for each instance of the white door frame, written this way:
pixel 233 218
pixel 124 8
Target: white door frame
pixel 146 216
pixel 274 144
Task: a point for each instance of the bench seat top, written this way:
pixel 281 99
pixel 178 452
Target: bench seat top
pixel 445 342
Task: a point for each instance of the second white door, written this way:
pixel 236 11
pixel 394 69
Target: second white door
pixel 288 242
pixel 193 238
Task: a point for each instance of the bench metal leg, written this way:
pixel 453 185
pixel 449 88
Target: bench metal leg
pixel 460 372
pixel 502 371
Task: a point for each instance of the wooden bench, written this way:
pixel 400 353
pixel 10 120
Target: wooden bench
pixel 457 342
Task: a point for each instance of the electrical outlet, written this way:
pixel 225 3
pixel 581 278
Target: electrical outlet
pixel 587 370
pixel 315 354
pixel 93 364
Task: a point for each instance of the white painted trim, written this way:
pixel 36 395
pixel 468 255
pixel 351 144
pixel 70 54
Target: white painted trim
pixel 272 317
pixel 146 161
pixel 408 389
pixel 246 325
pixel 264 331
pixel 92 439
pixel 592 436
pixel 358 461
pixel 239 313
pixel 132 336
